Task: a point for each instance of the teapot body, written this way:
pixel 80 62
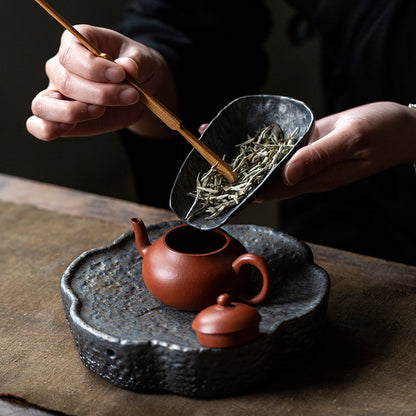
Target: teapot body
pixel 187 268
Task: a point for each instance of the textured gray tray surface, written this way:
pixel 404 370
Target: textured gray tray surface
pixel 130 338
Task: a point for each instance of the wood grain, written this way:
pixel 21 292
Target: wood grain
pixel 341 265
pixel 72 202
pixel 351 266
pixel 14 407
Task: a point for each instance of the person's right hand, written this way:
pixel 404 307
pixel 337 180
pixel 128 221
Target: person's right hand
pixel 86 94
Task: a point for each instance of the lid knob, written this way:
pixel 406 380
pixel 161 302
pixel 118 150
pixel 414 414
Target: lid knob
pixel 224 299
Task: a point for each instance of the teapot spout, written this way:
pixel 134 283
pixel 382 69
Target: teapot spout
pixel 141 237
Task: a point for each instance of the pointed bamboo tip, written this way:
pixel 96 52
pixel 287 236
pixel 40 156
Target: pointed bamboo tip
pixel 226 171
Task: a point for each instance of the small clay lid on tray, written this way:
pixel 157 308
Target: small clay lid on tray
pixel 227 324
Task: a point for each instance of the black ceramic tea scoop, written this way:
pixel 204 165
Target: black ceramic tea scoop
pixel 243 117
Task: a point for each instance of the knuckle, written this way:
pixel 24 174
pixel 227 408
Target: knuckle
pixel 353 136
pixel 318 157
pixel 101 96
pixel 353 144
pixel 356 138
pixel 85 29
pixel 89 69
pixel 64 83
pixel 75 113
pixel 70 116
pixel 64 55
pixel 37 107
pixel 50 66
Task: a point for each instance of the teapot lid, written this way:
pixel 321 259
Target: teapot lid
pixel 226 317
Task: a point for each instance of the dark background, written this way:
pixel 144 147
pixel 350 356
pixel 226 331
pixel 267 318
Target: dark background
pixel 98 164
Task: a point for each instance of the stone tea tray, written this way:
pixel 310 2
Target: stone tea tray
pixel 129 338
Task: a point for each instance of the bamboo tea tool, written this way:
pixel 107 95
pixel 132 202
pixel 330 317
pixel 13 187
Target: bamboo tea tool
pixel 154 105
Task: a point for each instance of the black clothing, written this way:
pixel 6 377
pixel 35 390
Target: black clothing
pixel 215 51
pixel 368 49
pixel 367 56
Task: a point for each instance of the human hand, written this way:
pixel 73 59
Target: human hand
pixel 86 94
pixel 346 147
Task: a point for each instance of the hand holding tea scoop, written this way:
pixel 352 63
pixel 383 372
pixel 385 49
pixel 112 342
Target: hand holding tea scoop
pixel 259 133
pixel 346 147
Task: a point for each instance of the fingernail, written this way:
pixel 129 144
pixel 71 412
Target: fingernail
pixel 65 128
pixel 95 110
pixel 115 74
pixel 129 96
pixel 292 173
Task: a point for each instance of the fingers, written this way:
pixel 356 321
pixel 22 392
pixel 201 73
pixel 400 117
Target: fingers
pixel 129 65
pixel 55 115
pixel 337 145
pixel 114 118
pixel 47 130
pixel 202 128
pixel 346 147
pixel 81 89
pixel 337 175
pixel 80 75
pixel 77 59
pixel 128 56
pixel 52 106
pixel 324 126
pixel 86 94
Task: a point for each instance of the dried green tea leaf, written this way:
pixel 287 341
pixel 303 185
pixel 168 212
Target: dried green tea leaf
pixel 254 159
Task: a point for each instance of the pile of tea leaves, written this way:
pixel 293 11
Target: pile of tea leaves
pixel 253 160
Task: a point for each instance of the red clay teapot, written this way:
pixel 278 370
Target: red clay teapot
pixel 188 268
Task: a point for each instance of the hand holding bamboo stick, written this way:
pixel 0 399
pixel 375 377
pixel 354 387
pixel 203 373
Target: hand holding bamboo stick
pixel 154 105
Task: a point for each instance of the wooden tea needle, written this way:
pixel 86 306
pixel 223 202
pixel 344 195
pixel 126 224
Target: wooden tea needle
pixel 153 104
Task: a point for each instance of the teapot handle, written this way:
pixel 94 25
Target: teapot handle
pixel 259 263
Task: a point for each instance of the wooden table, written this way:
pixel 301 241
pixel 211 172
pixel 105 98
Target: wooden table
pixel 338 263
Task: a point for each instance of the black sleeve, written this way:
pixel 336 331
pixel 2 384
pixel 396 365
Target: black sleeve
pixel 214 48
pixel 368 51
pixel 368 55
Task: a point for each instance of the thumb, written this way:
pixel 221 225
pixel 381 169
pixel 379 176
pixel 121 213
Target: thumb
pixel 202 128
pixel 312 159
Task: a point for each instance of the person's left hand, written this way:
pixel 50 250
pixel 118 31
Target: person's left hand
pixel 346 147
